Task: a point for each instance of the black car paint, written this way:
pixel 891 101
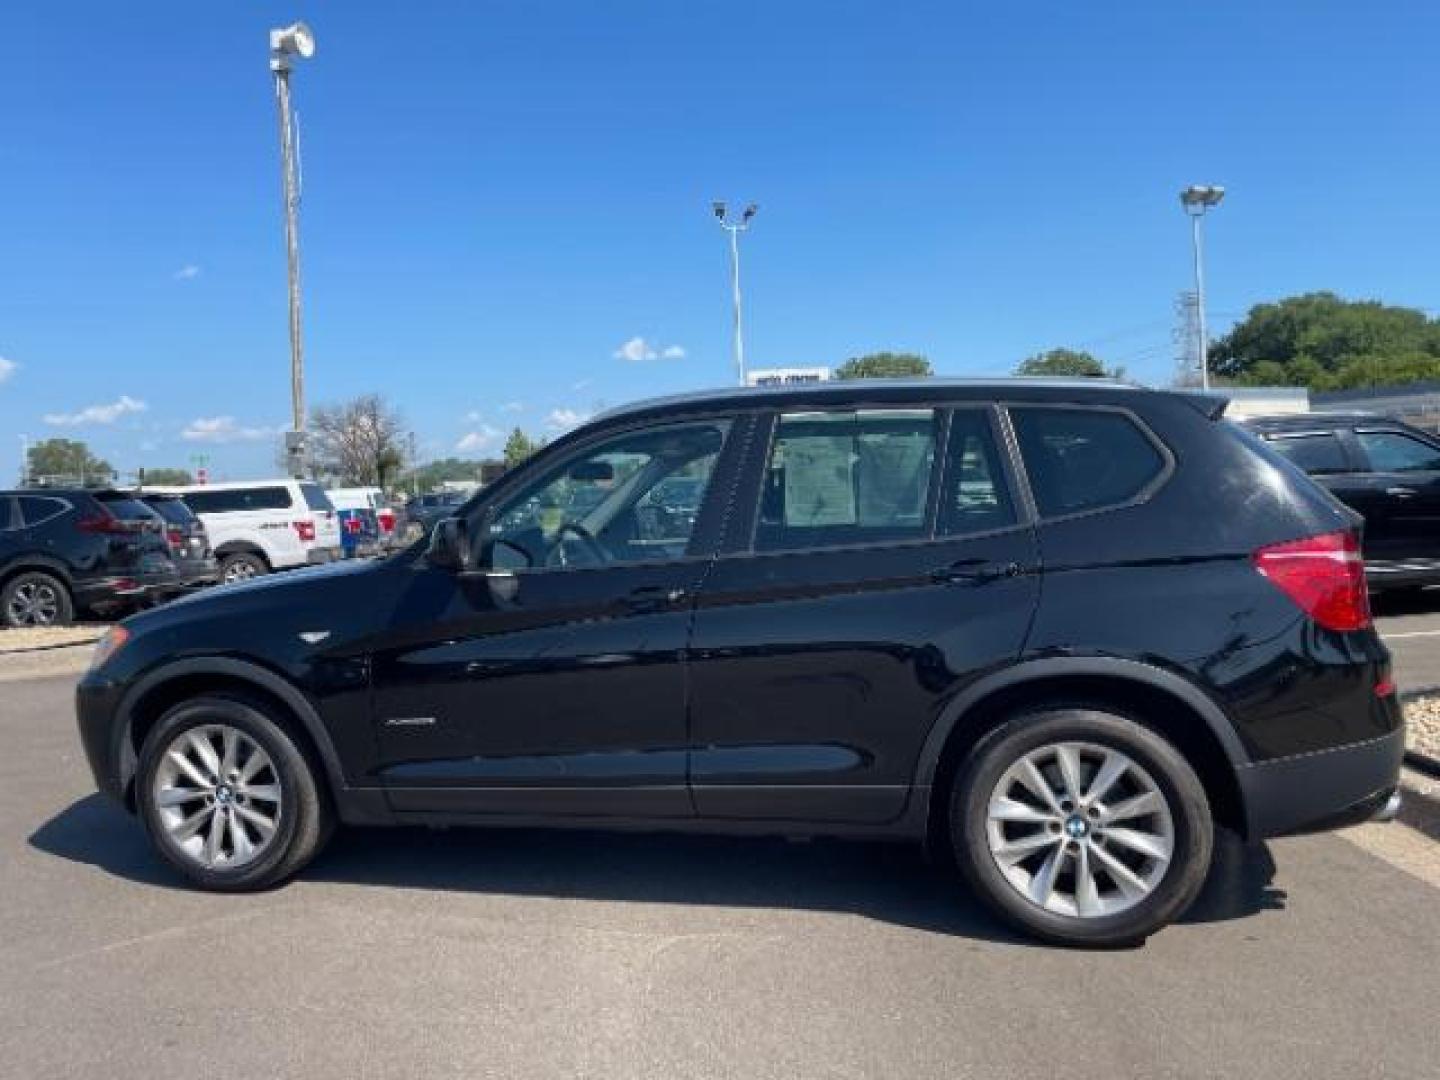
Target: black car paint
pixel 103 571
pixel 811 692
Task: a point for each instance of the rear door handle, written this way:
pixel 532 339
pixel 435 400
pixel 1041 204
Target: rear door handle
pixel 654 598
pixel 973 572
pixel 1401 492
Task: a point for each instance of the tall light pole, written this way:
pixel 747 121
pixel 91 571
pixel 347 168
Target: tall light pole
pixel 285 44
pixel 24 459
pixel 1197 199
pixel 735 228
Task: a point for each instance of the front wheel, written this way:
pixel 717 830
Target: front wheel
pixel 1081 827
pixel 242 566
pixel 228 797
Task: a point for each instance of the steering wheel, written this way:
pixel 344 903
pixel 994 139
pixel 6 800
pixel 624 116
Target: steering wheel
pixel 587 540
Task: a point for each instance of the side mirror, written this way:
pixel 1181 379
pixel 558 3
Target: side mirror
pixel 449 544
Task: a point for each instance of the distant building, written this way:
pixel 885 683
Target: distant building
pixel 1265 400
pixel 787 376
pixel 1416 403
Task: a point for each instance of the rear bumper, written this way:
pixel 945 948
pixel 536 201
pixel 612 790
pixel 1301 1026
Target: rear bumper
pixel 318 556
pixel 1328 789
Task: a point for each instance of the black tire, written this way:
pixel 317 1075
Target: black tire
pixel 305 818
pixel 35 598
pixel 241 566
pixel 1193 831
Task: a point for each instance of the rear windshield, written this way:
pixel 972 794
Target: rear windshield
pixel 315 497
pixel 126 508
pixel 172 510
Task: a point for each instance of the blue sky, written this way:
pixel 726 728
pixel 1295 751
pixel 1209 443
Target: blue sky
pixel 498 200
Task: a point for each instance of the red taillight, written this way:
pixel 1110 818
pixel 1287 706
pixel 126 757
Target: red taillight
pixel 175 538
pixel 305 530
pixel 1324 575
pixel 105 523
pixel 387 520
pixel 352 525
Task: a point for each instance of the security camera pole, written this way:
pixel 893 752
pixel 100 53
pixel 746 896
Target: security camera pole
pixel 291 41
pixel 735 228
pixel 1197 199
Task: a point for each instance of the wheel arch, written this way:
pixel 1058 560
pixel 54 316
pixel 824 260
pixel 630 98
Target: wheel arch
pixel 243 547
pixel 155 693
pixel 1159 699
pixel 37 563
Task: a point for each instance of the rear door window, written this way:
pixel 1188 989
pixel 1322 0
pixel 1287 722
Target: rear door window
pixel 1084 459
pixel 842 478
pixel 231 500
pixel 1318 453
pixel 1393 452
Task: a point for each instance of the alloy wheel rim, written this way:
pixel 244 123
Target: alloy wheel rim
pixel 240 571
pixel 34 603
pixel 1080 829
pixel 217 796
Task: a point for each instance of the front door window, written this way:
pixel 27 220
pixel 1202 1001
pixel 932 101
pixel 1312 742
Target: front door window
pixel 631 498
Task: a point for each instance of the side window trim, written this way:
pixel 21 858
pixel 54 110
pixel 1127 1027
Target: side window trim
pixel 1007 459
pixel 1144 495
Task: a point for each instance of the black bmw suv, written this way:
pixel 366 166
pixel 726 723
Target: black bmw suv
pixel 1385 470
pixel 1061 629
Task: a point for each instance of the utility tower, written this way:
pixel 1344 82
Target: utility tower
pixel 1186 336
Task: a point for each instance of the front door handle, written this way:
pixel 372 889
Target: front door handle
pixel 654 598
pixel 973 572
pixel 1401 492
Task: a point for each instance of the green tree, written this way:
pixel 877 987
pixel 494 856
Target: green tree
pixel 884 365
pixel 518 447
pixel 1067 363
pixel 1327 343
pixel 168 477
pixel 67 461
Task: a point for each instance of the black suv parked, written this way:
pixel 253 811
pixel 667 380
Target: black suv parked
pixel 185 534
pixel 1061 629
pixel 67 549
pixel 1387 471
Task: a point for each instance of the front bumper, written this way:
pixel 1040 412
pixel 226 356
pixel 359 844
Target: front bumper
pixel 1327 789
pixel 96 702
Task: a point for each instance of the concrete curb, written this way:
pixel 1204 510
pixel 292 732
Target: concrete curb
pixel 1423 763
pixel 30 649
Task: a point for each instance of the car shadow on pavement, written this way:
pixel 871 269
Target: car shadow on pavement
pixel 884 881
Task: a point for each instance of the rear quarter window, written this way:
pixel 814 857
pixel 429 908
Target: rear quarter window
pixel 1084 459
pixel 315 497
pixel 36 510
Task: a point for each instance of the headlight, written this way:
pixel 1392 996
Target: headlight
pixel 108 645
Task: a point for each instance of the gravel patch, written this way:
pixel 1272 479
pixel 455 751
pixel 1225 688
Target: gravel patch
pixel 47 637
pixel 1422 721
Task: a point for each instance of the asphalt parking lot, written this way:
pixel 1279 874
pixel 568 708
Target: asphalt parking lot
pixel 435 954
pixel 1411 629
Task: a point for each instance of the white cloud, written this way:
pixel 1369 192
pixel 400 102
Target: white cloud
pixel 188 272
pixel 97 414
pixel 223 429
pixel 513 406
pixel 7 368
pixel 473 416
pixel 565 419
pixel 582 384
pixel 637 349
pixel 482 440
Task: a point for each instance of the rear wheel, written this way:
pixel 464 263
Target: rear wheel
pixel 242 566
pixel 1081 827
pixel 35 598
pixel 228 797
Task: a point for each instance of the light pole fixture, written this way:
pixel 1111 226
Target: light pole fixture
pixel 1196 200
pixel 295 40
pixel 735 228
